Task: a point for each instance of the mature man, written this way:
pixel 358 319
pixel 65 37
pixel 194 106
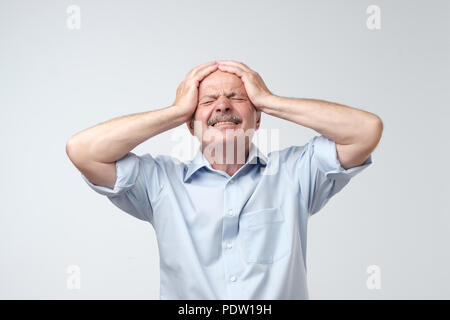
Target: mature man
pixel 228 229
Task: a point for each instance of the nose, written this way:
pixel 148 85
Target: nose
pixel 223 105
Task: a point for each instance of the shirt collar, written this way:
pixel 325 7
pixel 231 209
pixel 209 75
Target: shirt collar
pixel 255 156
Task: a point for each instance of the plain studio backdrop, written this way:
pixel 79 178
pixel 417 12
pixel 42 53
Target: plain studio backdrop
pixel 130 56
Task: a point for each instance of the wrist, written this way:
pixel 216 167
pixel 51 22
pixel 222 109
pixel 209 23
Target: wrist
pixel 180 114
pixel 270 103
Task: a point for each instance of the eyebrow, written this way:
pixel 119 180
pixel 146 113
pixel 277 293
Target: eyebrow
pixel 230 95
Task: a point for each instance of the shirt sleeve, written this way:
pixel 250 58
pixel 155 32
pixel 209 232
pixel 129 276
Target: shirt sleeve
pixel 138 185
pixel 318 172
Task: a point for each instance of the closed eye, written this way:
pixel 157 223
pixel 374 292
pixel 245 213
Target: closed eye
pixel 211 101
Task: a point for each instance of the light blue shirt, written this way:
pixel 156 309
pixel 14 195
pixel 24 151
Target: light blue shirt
pixel 239 237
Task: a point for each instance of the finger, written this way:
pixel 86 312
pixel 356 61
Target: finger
pixel 236 64
pixel 232 69
pixel 202 66
pixel 202 73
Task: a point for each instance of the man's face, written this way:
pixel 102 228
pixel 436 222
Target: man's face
pixel 223 109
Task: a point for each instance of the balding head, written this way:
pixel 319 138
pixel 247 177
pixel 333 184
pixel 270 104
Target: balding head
pixel 222 96
pixel 219 82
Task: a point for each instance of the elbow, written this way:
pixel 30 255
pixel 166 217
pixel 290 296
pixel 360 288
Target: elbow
pixel 70 148
pixel 375 129
pixel 74 151
pixel 378 127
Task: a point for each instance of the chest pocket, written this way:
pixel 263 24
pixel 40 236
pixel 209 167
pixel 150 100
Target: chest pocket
pixel 263 236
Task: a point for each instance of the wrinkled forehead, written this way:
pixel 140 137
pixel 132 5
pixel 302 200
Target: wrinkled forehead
pixel 219 82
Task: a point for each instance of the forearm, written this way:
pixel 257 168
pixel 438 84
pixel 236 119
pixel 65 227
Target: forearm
pixel 342 124
pixel 111 140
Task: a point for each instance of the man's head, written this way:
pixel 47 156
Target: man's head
pixel 223 108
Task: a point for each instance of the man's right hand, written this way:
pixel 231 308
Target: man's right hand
pixel 187 91
pixel 94 151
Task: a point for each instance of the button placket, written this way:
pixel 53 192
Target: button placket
pixel 232 261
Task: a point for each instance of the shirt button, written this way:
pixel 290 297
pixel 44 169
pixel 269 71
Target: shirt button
pixel 230 212
pixel 229 246
pixel 233 279
pixel 231 181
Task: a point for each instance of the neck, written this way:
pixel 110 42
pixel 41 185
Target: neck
pixel 228 158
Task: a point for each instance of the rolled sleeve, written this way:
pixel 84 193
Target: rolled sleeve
pixel 316 169
pixel 325 175
pixel 137 185
pixel 127 170
pixel 325 154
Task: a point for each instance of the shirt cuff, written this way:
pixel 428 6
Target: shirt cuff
pixel 127 169
pixel 326 154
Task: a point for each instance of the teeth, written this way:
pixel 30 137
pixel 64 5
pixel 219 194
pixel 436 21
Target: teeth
pixel 223 122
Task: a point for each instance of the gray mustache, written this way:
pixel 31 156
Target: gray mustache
pixel 225 117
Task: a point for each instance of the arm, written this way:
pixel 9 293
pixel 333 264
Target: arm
pixel 95 150
pixel 355 132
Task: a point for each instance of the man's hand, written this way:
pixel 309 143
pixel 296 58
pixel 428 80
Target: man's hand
pixel 356 132
pixel 257 90
pixel 187 91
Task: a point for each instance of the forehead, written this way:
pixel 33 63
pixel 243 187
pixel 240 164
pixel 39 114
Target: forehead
pixel 220 81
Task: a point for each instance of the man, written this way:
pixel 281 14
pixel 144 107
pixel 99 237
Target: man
pixel 228 229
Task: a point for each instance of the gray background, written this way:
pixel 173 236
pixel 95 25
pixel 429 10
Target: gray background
pixel 129 56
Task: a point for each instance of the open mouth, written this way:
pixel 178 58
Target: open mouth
pixel 224 123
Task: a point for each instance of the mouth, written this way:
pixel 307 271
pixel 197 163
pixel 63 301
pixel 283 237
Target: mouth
pixel 229 121
pixel 224 124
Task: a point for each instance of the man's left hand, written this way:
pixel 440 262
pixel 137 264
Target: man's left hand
pixel 257 90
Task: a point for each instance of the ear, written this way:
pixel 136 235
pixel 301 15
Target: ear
pixel 258 119
pixel 190 125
